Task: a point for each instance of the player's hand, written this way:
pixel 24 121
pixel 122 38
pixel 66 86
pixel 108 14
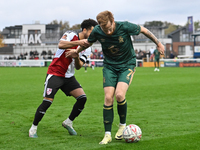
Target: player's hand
pixel 71 53
pixel 161 48
pixel 84 43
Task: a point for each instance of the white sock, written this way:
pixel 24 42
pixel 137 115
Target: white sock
pixel 33 127
pixel 122 124
pixel 108 132
pixel 68 120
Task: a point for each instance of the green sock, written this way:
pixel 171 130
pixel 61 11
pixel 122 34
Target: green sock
pixel 108 116
pixel 122 111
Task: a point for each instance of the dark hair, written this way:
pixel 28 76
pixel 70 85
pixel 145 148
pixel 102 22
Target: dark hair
pixel 88 23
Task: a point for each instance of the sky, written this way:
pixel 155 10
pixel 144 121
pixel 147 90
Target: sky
pixel 19 12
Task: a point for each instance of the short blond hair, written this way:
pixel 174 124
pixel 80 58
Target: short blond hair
pixel 104 17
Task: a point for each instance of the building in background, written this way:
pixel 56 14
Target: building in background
pixel 182 42
pixel 22 39
pixel 28 38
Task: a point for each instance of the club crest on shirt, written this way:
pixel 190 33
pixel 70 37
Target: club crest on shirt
pixel 64 37
pixel 121 40
pixel 49 90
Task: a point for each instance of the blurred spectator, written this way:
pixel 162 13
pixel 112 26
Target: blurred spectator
pixel 44 57
pixel 43 53
pixel 31 57
pixel 171 55
pixel 101 55
pixel 50 52
pixel 25 54
pixel 14 57
pixel 136 53
pixel 31 53
pixel 35 53
pixel 151 50
pixel 49 57
pixel 148 53
pixel 140 54
pixel 151 55
pixel 36 57
pixel 21 57
pixel 93 56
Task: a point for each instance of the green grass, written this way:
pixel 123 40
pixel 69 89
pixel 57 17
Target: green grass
pixel 164 104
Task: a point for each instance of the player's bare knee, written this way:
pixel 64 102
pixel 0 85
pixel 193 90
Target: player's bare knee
pixel 50 99
pixel 108 100
pixel 120 97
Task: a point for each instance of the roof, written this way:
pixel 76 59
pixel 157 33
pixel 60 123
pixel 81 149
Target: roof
pixel 197 33
pixel 156 27
pixel 176 31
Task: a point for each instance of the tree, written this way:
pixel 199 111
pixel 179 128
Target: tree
pixel 76 27
pixel 171 28
pixel 197 25
pixel 1 41
pixel 63 25
pixel 154 23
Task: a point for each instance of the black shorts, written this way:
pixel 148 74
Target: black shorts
pixel 54 83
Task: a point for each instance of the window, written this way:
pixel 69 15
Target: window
pixel 49 31
pixel 12 31
pixel 181 50
pixel 20 31
pixel 185 38
pixel 34 31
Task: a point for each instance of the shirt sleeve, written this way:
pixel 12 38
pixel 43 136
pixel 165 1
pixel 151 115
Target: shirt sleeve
pixel 132 28
pixel 85 55
pixel 92 38
pixel 67 36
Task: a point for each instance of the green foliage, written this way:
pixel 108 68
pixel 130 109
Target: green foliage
pixel 154 23
pixel 197 25
pixel 76 27
pixel 64 26
pixel 164 104
pixel 1 41
pixel 170 29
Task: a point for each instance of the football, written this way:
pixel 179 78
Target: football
pixel 132 133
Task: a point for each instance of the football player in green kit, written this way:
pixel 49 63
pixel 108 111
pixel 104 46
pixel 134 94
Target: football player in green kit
pixel 119 65
pixel 156 54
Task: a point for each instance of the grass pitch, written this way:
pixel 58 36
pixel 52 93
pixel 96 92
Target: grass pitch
pixel 165 105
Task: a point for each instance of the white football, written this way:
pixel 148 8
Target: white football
pixel 132 133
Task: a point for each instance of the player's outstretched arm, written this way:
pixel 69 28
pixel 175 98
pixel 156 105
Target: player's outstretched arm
pixel 151 36
pixel 71 53
pixel 68 44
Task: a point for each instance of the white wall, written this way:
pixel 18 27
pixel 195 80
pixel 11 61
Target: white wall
pixel 188 50
pixel 26 27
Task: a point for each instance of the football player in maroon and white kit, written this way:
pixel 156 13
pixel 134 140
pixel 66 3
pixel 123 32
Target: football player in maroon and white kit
pixel 60 75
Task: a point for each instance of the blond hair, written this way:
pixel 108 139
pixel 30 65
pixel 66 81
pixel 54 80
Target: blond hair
pixel 104 17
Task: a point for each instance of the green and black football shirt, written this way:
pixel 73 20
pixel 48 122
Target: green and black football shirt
pixel 117 48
